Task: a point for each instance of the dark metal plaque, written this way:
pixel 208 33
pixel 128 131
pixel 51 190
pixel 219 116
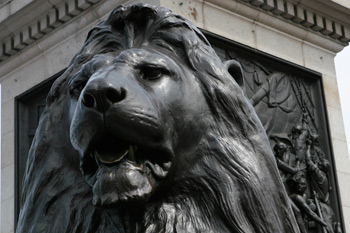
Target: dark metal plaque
pixel 289 101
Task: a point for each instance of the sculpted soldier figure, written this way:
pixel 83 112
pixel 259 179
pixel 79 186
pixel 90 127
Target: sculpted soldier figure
pixel 283 161
pixel 306 178
pixel 299 199
pixel 149 131
pixel 318 168
pixel 300 134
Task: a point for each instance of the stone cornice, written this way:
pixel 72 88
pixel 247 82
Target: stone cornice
pixel 39 18
pixel 15 36
pixel 325 18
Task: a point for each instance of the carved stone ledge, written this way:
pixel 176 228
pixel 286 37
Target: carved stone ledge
pixel 47 22
pixel 301 15
pixel 21 37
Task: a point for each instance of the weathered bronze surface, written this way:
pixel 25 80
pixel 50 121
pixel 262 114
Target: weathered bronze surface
pixel 149 131
pixel 290 109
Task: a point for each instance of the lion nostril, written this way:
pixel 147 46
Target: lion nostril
pixel 88 100
pixel 115 96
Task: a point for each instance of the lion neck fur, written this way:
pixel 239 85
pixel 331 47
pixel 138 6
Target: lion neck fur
pixel 219 195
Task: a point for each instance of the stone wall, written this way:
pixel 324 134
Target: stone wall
pixel 35 46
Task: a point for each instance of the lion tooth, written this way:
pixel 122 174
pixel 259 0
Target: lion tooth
pixel 156 169
pixel 131 154
pixel 159 171
pixel 95 155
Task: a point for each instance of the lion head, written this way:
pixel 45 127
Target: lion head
pixel 165 138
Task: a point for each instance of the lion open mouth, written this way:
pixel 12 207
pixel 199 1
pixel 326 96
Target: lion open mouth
pixel 125 172
pixel 111 150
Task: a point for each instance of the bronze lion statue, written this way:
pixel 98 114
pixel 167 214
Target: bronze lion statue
pixel 149 131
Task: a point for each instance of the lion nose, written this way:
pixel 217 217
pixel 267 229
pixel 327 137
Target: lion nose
pixel 100 95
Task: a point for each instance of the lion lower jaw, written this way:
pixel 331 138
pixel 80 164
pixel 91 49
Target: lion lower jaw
pixel 123 183
pixel 130 153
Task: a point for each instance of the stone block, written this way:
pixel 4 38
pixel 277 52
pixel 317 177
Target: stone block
pixel 53 18
pixel 288 10
pixel 44 25
pixel 73 8
pixel 60 56
pixel 318 23
pixel 257 2
pixel 330 86
pixel 101 11
pixel 299 15
pixel 7 182
pixel 83 4
pixel 346 215
pixel 22 79
pixel 7 112
pixel 9 48
pixel 62 11
pixel 327 27
pixel 35 30
pixel 229 25
pixel 18 5
pixel 7 149
pixel 344 187
pixel 26 36
pixel 337 31
pixel 18 41
pixel 30 75
pixel 3 55
pixel 268 5
pixel 7 216
pixel 319 60
pixel 191 10
pixel 341 155
pixel 336 124
pixel 346 34
pixel 278 44
pixel 5 12
pixel 278 7
pixel 308 19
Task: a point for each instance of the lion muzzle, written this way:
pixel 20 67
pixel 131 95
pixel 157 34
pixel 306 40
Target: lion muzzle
pixel 118 159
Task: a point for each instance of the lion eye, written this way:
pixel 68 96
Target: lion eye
pixel 151 73
pixel 77 87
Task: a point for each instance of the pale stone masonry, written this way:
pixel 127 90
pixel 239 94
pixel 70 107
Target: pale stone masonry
pixel 39 37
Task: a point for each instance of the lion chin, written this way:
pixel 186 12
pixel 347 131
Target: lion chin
pixel 123 183
pixel 124 175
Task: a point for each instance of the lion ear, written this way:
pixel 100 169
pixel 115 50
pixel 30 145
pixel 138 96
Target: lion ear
pixel 235 70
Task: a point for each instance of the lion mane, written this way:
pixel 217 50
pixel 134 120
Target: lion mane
pixel 228 183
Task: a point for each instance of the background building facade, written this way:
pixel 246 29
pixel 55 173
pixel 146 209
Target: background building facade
pixel 39 37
